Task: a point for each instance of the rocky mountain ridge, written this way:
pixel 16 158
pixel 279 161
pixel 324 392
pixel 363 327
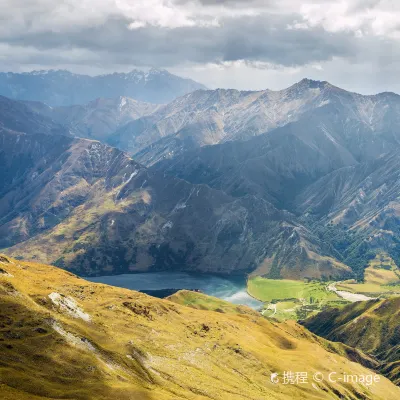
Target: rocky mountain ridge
pixel 82 204
pixel 98 119
pixel 253 197
pixel 217 116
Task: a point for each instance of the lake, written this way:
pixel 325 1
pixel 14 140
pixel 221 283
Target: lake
pixel 229 289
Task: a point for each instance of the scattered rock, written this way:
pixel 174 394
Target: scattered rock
pixel 139 309
pixel 5 273
pixel 41 330
pixel 69 305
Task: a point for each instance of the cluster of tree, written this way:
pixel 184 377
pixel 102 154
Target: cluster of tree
pixel 346 245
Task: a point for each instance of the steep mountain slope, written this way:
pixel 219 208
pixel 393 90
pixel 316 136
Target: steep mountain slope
pixel 27 164
pixel 275 166
pixel 337 163
pixel 63 88
pixel 94 205
pixel 371 326
pixel 364 197
pixel 211 117
pixel 63 337
pixel 16 116
pixel 82 204
pixel 98 119
pixel 361 187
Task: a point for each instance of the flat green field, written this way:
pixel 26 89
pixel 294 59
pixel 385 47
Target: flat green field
pixel 278 290
pixel 288 299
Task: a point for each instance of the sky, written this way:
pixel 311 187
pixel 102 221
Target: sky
pixel 243 44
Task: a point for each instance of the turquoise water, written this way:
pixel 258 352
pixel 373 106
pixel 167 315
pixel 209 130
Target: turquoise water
pixel 232 290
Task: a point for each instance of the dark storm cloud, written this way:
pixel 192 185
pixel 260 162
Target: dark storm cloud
pixel 258 38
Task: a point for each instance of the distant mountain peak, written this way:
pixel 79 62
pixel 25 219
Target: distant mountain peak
pixel 312 84
pixel 158 71
pixel 64 88
pixel 42 72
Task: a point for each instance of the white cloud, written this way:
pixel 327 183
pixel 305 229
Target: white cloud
pixel 380 18
pixel 66 15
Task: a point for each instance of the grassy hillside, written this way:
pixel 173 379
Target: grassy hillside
pixel 372 326
pixel 381 278
pixel 64 337
pixel 382 271
pixel 201 301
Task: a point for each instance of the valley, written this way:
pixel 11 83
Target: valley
pixel 292 300
pixel 228 289
pixel 213 236
pixel 199 200
pixel 296 300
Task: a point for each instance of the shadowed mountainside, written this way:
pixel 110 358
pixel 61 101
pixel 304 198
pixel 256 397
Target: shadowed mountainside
pixel 82 203
pixel 373 327
pixel 265 204
pixel 17 116
pixel 98 119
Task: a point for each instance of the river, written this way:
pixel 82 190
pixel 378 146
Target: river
pixel 229 289
pixel 349 296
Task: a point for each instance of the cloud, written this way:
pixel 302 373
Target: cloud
pixel 265 35
pixel 155 39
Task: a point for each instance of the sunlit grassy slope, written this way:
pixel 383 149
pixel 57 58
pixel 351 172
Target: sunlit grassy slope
pixel 62 337
pixel 373 326
pixel 203 302
pixel 381 278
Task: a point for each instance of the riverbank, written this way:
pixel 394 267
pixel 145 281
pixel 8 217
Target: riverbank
pixel 352 297
pixel 233 290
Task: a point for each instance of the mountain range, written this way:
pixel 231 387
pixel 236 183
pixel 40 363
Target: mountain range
pixel 82 204
pixel 221 181
pixel 98 119
pixel 300 184
pixel 347 122
pixel 63 88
